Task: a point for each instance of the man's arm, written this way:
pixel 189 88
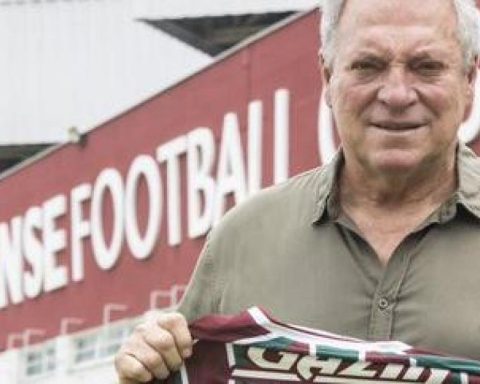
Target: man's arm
pixel 159 345
pixel 204 291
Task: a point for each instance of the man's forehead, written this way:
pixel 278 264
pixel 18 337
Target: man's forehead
pixel 422 40
pixel 401 51
pixel 399 29
pixel 397 12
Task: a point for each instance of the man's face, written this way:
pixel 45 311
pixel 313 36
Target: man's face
pixel 398 86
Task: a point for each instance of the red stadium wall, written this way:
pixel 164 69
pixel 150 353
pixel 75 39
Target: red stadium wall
pixel 284 59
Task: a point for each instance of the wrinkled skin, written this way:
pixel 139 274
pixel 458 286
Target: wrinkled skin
pixel 398 86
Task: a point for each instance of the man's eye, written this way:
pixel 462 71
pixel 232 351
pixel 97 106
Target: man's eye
pixel 429 67
pixel 365 66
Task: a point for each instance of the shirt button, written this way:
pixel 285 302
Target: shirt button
pixel 383 303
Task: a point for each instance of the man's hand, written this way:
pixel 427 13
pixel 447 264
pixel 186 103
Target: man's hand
pixel 156 347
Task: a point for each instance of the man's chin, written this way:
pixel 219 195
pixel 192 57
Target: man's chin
pixel 396 162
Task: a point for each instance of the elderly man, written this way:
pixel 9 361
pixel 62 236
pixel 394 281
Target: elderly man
pixel 382 243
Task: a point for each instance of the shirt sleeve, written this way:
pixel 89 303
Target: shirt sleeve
pixel 203 293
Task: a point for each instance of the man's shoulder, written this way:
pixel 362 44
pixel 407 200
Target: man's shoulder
pixel 469 178
pixel 293 199
pixel 468 159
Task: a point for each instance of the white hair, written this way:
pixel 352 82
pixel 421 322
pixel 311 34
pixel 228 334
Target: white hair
pixel 468 28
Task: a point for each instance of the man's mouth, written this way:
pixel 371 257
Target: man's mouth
pixel 397 125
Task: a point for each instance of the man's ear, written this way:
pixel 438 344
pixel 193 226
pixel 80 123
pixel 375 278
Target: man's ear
pixel 472 73
pixel 471 79
pixel 326 76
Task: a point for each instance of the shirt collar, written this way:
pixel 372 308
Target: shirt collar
pixel 468 172
pixel 327 198
pixel 467 194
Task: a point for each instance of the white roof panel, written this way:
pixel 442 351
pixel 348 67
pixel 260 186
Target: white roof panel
pixel 78 63
pixel 192 8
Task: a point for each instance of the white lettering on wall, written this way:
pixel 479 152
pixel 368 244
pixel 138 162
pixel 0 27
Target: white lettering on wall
pixel 54 241
pixel 80 228
pixel 109 181
pixel 201 186
pixel 11 265
pixel 255 131
pixel 282 136
pixel 143 167
pixel 231 169
pixel 33 245
pixel 33 252
pixel 170 153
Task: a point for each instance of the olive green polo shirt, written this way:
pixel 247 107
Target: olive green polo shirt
pixel 290 250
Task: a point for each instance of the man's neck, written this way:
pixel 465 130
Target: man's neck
pixel 361 189
pixel 387 209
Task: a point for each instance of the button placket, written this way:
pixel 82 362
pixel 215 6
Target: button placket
pixel 383 303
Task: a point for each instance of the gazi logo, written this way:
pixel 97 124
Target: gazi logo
pixel 291 367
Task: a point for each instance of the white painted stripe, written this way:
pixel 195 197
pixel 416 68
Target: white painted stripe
pixel 249 374
pixel 381 347
pixel 242 373
pixel 256 339
pixel 259 317
pixel 343 380
pixel 322 333
pixel 362 356
pixel 325 338
pixel 183 374
pixel 230 354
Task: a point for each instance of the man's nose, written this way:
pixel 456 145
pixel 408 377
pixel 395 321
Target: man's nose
pixel 397 92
